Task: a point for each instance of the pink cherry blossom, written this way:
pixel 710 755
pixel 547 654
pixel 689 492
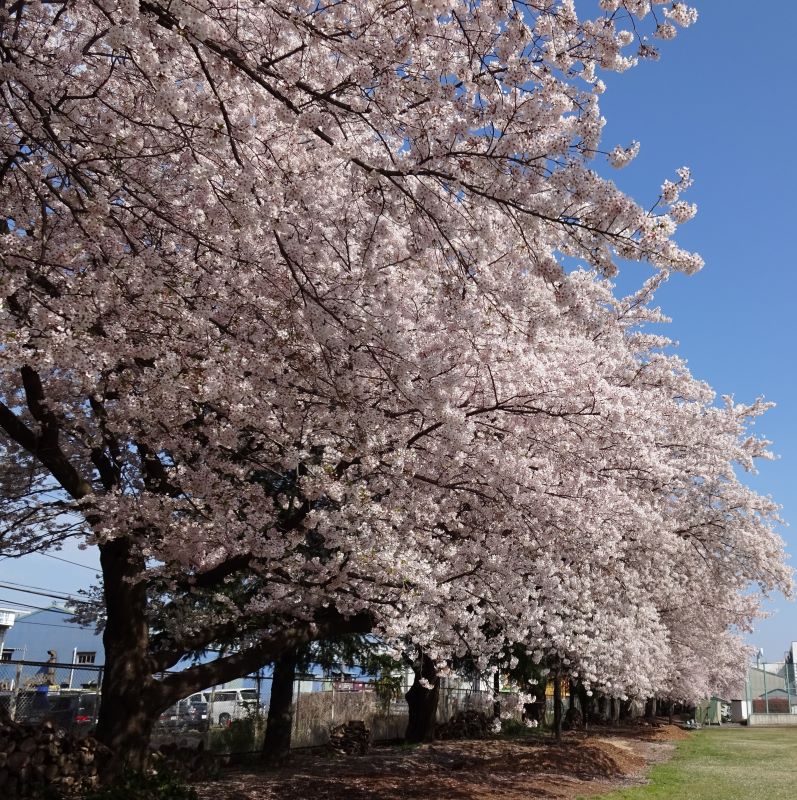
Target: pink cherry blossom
pixel 289 323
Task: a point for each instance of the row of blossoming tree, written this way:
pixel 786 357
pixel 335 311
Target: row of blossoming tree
pixel 306 324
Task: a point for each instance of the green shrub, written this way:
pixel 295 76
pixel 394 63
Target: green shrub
pixel 240 736
pixel 512 728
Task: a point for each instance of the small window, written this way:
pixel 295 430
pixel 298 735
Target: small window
pixel 85 657
pixel 224 697
pixel 7 655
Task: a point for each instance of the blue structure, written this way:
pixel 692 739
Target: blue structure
pixel 37 633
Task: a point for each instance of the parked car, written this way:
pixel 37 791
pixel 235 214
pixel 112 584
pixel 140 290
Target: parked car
pixel 169 718
pixel 185 715
pixel 74 711
pixel 66 710
pixel 193 715
pixel 34 707
pixel 225 705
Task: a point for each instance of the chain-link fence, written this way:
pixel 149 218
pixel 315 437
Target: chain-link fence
pixel 318 708
pixel 454 699
pixel 770 695
pixel 69 696
pixel 65 694
pixel 315 712
pixel 320 703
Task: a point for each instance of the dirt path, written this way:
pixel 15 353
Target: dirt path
pixel 581 765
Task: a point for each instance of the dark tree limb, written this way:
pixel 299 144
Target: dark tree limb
pixel 180 684
pixel 45 445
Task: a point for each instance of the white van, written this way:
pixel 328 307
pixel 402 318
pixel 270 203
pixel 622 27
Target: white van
pixel 225 705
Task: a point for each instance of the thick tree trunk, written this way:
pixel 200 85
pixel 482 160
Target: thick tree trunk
pixel 650 709
pixel 601 707
pixel 497 695
pixel 127 712
pixel 132 698
pixel 422 702
pixel 586 704
pixel 277 741
pixel 557 706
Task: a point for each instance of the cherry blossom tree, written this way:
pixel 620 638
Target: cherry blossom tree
pixel 288 334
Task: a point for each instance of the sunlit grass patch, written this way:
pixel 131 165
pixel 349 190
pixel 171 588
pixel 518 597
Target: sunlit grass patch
pixel 727 763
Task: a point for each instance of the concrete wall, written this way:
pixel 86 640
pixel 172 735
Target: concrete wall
pixel 772 719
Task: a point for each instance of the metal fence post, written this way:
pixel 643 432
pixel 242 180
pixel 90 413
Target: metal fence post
pixel 12 709
pixel 99 697
pixel 297 690
pixel 766 697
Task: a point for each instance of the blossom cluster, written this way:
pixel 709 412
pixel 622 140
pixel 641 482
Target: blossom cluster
pixel 288 289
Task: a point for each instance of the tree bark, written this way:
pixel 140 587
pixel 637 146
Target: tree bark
pixel 132 698
pixel 557 706
pixel 127 712
pixel 497 695
pixel 586 704
pixel 650 709
pixel 277 741
pixel 328 623
pixel 422 702
pixel 603 709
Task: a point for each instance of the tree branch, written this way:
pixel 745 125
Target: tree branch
pixel 180 684
pixel 44 446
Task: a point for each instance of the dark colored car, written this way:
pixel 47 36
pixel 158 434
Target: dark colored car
pixel 66 711
pixel 74 711
pixel 193 716
pixel 169 718
pixel 184 715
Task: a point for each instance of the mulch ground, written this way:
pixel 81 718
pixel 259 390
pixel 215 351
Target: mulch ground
pixel 582 764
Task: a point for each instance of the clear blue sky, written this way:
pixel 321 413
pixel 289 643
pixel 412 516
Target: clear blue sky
pixel 722 101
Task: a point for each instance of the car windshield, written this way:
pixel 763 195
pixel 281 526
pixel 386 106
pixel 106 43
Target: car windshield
pixel 88 703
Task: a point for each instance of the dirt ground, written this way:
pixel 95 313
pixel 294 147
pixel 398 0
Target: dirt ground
pixel 583 764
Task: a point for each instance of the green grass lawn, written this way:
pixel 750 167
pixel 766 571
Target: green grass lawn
pixel 725 764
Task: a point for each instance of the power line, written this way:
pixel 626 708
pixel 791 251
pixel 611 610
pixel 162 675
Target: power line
pixel 67 561
pixel 95 570
pixel 40 624
pixel 42 594
pixel 38 608
pixel 51 592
